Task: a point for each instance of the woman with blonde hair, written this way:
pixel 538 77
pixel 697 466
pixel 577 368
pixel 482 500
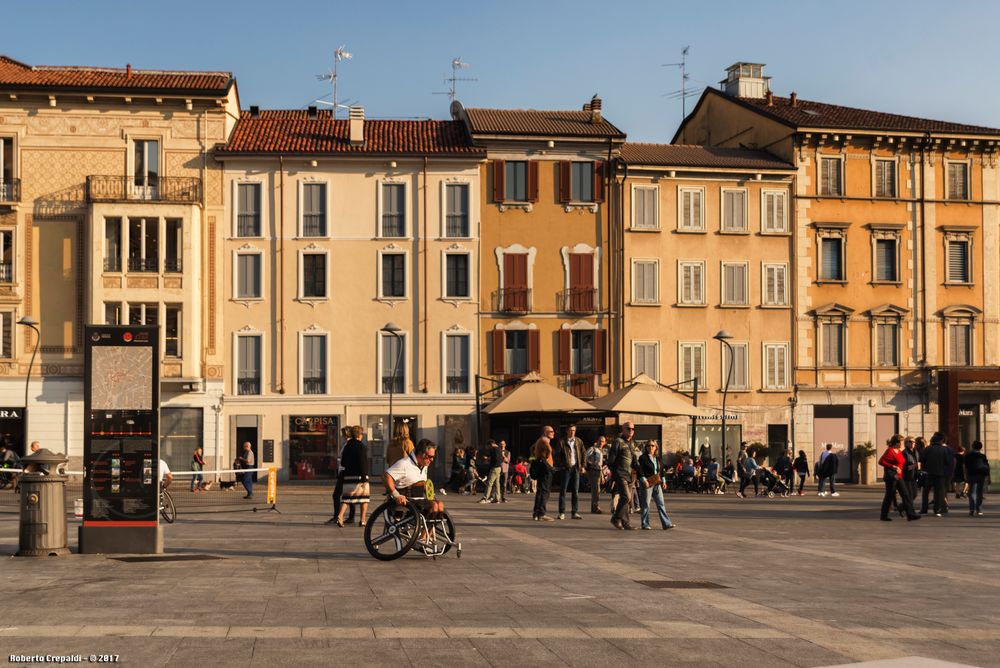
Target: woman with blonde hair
pixel 400 446
pixel 354 463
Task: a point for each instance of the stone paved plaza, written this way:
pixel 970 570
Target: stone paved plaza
pixel 808 582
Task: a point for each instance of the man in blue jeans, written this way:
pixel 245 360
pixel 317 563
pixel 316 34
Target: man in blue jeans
pixel 247 461
pixel 568 456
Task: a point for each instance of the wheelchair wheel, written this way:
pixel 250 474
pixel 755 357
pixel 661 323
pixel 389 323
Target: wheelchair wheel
pixel 167 509
pixel 445 532
pixel 391 531
pixel 770 495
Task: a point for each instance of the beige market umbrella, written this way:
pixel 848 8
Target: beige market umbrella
pixel 645 396
pixel 534 396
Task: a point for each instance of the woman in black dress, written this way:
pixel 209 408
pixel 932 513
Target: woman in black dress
pixel 354 463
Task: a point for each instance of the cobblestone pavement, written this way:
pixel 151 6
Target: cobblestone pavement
pixel 807 582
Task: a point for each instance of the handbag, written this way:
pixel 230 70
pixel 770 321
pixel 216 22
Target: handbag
pixel 652 481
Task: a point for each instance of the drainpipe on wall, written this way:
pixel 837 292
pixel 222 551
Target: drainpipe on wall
pixel 425 290
pixel 281 276
pixel 619 277
pixel 793 285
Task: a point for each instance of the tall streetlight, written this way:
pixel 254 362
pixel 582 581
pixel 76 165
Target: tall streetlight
pixel 724 336
pixel 28 321
pixel 392 329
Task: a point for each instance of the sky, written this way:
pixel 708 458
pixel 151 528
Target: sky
pixel 919 58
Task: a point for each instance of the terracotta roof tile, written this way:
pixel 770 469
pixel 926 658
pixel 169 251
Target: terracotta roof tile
pixel 680 155
pixel 536 122
pixel 294 132
pixel 807 113
pixel 14 74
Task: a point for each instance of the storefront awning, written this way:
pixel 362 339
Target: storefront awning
pixel 534 396
pixel 645 396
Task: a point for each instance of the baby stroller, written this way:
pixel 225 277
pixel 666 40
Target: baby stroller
pixel 774 484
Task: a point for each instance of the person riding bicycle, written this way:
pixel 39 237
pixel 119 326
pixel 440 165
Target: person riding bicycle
pixel 166 477
pixel 409 474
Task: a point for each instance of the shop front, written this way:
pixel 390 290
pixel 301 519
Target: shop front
pixel 313 446
pixel 12 430
pixel 708 432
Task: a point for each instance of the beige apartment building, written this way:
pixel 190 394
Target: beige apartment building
pixel 895 278
pixel 109 207
pixel 707 242
pixel 334 229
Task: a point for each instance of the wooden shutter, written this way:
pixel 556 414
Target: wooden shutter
pixel 565 338
pixel 499 180
pixel 497 345
pixel 515 270
pixel 697 296
pixel 885 259
pixel 534 354
pixel 532 180
pixel 686 207
pixel 599 351
pixel 598 181
pixel 958 261
pixel 581 281
pixel 565 178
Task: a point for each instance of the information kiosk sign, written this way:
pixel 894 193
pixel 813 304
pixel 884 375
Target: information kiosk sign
pixel 121 440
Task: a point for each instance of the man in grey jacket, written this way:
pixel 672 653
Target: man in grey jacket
pixel 934 462
pixel 620 460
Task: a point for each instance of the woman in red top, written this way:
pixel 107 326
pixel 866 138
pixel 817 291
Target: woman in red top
pixel 892 463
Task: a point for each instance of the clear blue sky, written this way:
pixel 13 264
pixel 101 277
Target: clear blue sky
pixel 920 58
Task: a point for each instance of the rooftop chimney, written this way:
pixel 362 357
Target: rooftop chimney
pixel 356 124
pixel 254 111
pixel 794 98
pixel 770 99
pixel 311 112
pixel 595 109
pixel 128 71
pixel 746 80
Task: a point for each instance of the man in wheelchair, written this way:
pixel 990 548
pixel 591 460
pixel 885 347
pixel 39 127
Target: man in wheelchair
pixel 409 474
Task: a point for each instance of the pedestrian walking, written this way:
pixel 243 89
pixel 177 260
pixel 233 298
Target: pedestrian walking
pixel 620 459
pixel 338 488
pixel 504 470
pixel 934 463
pixel 594 462
pixel 893 462
pixel 541 472
pixel 750 474
pixel 910 468
pixel 247 461
pixel 357 491
pixel 492 492
pixel 741 468
pixel 651 488
pixel 829 464
pixel 977 473
pixel 784 469
pixel 801 466
pixel 568 457
pixel 197 465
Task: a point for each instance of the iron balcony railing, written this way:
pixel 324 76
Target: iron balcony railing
pixel 248 386
pixel 10 190
pixel 176 189
pixel 6 272
pixel 313 225
pixel 143 264
pixel 313 386
pixel 173 265
pixel 578 300
pixel 581 385
pixel 512 300
pixel 113 263
pixel 458 384
pixel 247 225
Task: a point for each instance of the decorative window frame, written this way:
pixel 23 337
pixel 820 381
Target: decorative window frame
pixel 457 330
pixel 959 314
pixel 656 347
pixel 234 194
pixel 722 283
pixel 300 206
pixel 314 330
pixel 680 284
pixel 312 249
pixel 764 194
pixel 145 134
pixel 247 249
pixel 701 229
pixel 890 232
pixel 782 345
pixel 887 314
pixel 746 367
pixel 635 301
pixel 841 158
pixel 968 178
pixel 702 380
pixel 407 218
pixel 582 249
pixel 874 169
pixel 656 207
pixel 453 249
pixel 722 210
pixel 831 231
pixel 379 337
pixel 531 252
pixel 763 286
pixel 473 210
pixel 248 330
pixel 832 314
pixel 13 333
pixel 393 249
pixel 967 236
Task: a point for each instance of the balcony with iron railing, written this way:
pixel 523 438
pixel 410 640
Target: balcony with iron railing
pixel 10 191
pixel 248 225
pixel 143 265
pixel 313 225
pixel 512 300
pixel 170 189
pixel 172 265
pixel 314 385
pixel 248 386
pixel 581 385
pixel 577 300
pixel 6 272
pixel 458 384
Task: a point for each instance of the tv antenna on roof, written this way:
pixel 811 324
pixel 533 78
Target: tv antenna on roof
pixel 340 54
pixel 683 94
pixel 456 65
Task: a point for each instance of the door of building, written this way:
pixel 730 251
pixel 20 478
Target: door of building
pixel 777 442
pixel 243 435
pixel 834 424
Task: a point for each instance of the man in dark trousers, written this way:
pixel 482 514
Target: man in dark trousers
pixel 828 467
pixel 783 467
pixel 912 459
pixel 568 457
pixel 541 471
pixel 620 459
pixel 934 462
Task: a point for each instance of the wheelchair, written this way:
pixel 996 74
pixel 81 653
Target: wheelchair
pixel 393 529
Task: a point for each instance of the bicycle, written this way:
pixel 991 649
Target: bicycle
pixel 167 509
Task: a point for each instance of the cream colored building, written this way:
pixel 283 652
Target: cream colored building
pixel 335 228
pixel 109 207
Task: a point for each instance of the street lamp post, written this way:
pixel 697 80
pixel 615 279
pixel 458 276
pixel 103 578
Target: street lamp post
pixel 28 321
pixel 392 329
pixel 724 336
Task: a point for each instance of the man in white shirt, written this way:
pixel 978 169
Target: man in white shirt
pixel 165 476
pixel 411 470
pixel 569 461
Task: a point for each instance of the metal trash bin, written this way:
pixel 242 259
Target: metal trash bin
pixel 43 505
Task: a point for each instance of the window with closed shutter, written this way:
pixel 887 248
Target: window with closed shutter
pixel 248 279
pixel 248 210
pixel 646 356
pixel 959 344
pixel 248 364
pixel 457 210
pixel 393 275
pixel 885 178
pixel 692 363
pixel 734 284
pixel 885 260
pixel 314 364
pixel 833 343
pixel 313 275
pixel 887 343
pixel 830 177
pixel 775 366
pixel 457 361
pixel 516 351
pixel 958 261
pixel 516 181
pixel 832 259
pixel 739 371
pixel 734 217
pixel 457 275
pixel 774 212
pixel 644 281
pixel 314 210
pixel 393 210
pixel 692 287
pixel 691 209
pixel 775 293
pixel 644 208
pixel 958 180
